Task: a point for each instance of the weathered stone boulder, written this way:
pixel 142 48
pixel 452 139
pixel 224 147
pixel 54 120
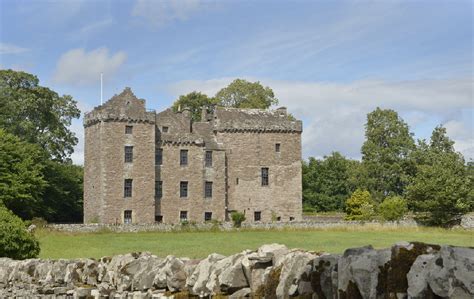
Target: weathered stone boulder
pixel 295 269
pixel 323 276
pixel 198 280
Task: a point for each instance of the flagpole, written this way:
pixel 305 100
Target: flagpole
pixel 101 88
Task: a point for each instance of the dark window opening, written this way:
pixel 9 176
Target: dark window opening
pixel 278 218
pixel 277 147
pixel 208 158
pixel 158 189
pixel 207 216
pixel 183 215
pixel 292 218
pixel 159 218
pixel 237 181
pixel 127 188
pixel 257 216
pixel 128 129
pixel 208 189
pixel 264 176
pixel 164 129
pixel 127 216
pixel 183 189
pixel 128 154
pixel 158 156
pixel 183 157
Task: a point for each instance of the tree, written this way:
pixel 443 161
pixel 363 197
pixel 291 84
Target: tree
pixel 37 114
pixel 21 177
pixel 441 191
pixel 62 199
pixel 393 208
pixel 15 241
pixel 386 153
pixel 195 101
pixel 326 183
pixel 360 206
pixel 244 94
pixel 237 218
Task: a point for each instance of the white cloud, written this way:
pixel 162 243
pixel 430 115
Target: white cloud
pixel 334 114
pixel 78 155
pixel 80 67
pixel 160 13
pixel 11 49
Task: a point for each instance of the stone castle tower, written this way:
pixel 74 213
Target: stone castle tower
pixel 143 167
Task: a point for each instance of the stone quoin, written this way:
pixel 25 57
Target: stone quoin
pixel 141 166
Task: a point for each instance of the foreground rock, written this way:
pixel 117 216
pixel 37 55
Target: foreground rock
pixel 407 270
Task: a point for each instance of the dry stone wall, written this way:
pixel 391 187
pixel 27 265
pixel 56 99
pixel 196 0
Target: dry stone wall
pixel 406 270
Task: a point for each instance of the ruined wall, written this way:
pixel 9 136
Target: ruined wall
pixel 247 153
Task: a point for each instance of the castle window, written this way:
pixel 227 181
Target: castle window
pixel 277 147
pixel 207 216
pixel 158 189
pixel 292 218
pixel 183 157
pixel 164 129
pixel 264 176
pixel 158 156
pixel 208 158
pixel 183 215
pixel 127 216
pixel 127 188
pixel 128 129
pixel 237 181
pixel 159 218
pixel 257 216
pixel 128 154
pixel 183 189
pixel 208 189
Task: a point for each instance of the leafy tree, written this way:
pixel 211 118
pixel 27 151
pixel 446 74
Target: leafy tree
pixel 195 101
pixel 326 183
pixel 442 191
pixel 393 208
pixel 62 199
pixel 15 241
pixel 21 177
pixel 244 94
pixel 386 153
pixel 360 206
pixel 37 114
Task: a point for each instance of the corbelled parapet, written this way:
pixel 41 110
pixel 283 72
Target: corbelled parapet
pixel 255 120
pixel 407 270
pixel 124 107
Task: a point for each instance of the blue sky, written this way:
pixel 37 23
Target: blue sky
pixel 329 62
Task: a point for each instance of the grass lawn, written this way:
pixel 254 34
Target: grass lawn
pixel 200 244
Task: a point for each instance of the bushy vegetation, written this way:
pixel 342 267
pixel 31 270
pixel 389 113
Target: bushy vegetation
pixel 15 241
pixel 393 208
pixel 237 218
pixel 360 206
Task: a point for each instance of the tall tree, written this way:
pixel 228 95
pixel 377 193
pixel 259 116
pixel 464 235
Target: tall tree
pixel 195 101
pixel 21 177
pixel 326 184
pixel 386 153
pixel 244 94
pixel 37 114
pixel 442 189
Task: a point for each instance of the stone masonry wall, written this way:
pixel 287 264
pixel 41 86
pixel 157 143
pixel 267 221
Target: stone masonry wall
pixel 196 174
pixel 406 270
pixel 247 153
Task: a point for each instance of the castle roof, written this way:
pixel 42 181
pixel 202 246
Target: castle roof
pixel 259 120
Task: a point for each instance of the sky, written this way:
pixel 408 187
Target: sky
pixel 329 62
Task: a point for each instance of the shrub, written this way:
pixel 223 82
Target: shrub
pixel 15 241
pixel 237 218
pixel 393 208
pixel 360 206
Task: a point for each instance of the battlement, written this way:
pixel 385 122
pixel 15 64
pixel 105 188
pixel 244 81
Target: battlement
pixel 124 107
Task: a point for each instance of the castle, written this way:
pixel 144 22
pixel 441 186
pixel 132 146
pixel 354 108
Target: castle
pixel 145 167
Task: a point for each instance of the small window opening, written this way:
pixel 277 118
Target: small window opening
pixel 207 216
pixel 237 181
pixel 292 218
pixel 158 156
pixel 183 157
pixel 128 154
pixel 257 216
pixel 128 129
pixel 264 176
pixel 208 159
pixel 208 190
pixel 158 218
pixel 277 147
pixel 183 189
pixel 127 188
pixel 165 129
pixel 183 215
pixel 127 216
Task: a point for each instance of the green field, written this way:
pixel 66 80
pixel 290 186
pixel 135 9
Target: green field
pixel 200 244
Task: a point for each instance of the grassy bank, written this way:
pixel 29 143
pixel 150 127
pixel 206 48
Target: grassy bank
pixel 200 244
